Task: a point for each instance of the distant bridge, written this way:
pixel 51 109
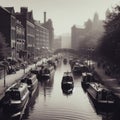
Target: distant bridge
pixel 66 50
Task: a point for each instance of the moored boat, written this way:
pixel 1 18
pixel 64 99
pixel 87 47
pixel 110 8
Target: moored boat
pixel 67 91
pixel 101 95
pixel 65 61
pixel 31 81
pixel 87 78
pixel 45 73
pixel 77 69
pixel 16 97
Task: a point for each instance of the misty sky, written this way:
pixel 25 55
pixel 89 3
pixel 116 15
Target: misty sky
pixel 64 13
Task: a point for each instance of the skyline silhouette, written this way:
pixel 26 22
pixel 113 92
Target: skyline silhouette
pixel 64 13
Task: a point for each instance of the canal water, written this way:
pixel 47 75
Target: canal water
pixel 50 103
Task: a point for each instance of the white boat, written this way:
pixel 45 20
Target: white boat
pixel 100 94
pixel 16 97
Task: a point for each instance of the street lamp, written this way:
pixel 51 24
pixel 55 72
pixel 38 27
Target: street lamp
pixel 3 66
pixel 23 66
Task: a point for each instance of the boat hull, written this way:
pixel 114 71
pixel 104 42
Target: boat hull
pixel 99 102
pixel 101 105
pixel 16 97
pixel 15 108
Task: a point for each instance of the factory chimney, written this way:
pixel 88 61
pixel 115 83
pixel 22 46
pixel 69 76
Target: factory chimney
pixel 44 17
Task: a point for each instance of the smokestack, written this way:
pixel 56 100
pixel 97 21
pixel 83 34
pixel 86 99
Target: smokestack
pixel 44 17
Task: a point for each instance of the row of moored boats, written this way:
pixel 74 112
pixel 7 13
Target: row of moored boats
pixel 99 94
pixel 17 96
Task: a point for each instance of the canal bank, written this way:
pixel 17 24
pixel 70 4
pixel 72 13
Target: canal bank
pixel 12 78
pixel 111 83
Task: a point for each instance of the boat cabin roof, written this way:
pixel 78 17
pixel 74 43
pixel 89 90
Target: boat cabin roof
pixel 17 91
pixel 98 87
pixel 17 87
pixel 87 73
pixel 67 73
pixel 67 76
pixel 29 79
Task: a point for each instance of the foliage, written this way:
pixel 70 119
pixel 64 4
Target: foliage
pixel 4 49
pixel 110 42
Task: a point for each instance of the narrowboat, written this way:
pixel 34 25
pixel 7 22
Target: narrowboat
pixel 76 69
pixel 67 91
pixel 84 68
pixel 87 78
pixel 100 95
pixel 46 73
pixel 37 69
pixel 65 61
pixel 31 81
pixel 67 81
pixel 16 97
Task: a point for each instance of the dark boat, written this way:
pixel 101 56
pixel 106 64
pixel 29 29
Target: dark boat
pixel 65 61
pixel 31 81
pixel 84 69
pixel 37 69
pixel 76 69
pixel 67 91
pixel 100 110
pixel 16 98
pixel 87 78
pixel 67 81
pixel 46 73
pixel 100 95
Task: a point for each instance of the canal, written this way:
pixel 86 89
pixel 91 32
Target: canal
pixel 50 103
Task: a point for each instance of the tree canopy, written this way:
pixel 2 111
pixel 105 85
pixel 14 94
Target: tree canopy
pixel 4 49
pixel 110 42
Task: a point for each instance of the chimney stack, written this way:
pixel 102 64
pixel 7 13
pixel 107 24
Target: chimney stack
pixel 44 17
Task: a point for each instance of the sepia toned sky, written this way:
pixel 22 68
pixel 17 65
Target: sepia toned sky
pixel 64 13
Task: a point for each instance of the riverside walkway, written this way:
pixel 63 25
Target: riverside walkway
pixel 12 78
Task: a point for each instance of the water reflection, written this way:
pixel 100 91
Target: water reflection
pixel 51 102
pixel 84 87
pixel 31 104
pixel 46 87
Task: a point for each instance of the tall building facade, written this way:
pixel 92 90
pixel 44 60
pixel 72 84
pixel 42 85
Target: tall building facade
pixel 49 25
pixel 12 30
pixel 26 37
pixel 87 37
pixel 41 39
pixel 57 43
pixel 77 35
pixel 20 40
pixel 27 21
